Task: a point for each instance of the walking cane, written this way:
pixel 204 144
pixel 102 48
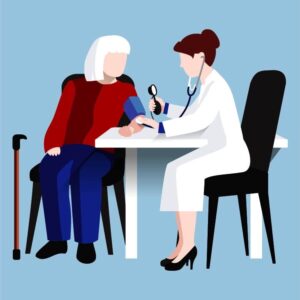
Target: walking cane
pixel 16 146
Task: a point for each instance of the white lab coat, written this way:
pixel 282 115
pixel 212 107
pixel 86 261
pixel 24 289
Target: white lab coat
pixel 214 116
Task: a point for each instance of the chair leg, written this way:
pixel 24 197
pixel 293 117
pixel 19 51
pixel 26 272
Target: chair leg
pixel 35 205
pixel 212 214
pixel 120 197
pixel 106 221
pixel 243 214
pixel 265 206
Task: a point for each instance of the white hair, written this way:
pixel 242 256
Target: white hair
pixel 94 62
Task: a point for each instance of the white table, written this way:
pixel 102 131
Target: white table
pixel 149 138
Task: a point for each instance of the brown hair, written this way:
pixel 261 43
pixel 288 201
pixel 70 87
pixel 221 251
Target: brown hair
pixel 206 42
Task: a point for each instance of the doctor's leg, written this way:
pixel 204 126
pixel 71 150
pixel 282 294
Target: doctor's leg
pixel 188 250
pixel 176 251
pixel 187 226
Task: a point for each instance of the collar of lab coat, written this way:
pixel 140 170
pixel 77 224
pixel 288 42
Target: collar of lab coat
pixel 210 77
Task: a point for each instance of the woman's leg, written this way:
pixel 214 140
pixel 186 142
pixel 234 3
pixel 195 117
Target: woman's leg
pixel 176 251
pixel 187 221
pixel 54 178
pixel 55 173
pixel 86 189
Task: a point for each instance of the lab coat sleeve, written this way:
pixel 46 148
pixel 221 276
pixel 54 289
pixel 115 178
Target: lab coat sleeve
pixel 174 111
pixel 200 119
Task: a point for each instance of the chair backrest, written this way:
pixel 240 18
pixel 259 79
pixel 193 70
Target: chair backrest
pixel 261 116
pixel 123 78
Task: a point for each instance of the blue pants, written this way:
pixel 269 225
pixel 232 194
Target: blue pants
pixel 82 167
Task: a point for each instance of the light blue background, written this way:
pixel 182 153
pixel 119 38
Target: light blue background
pixel 44 41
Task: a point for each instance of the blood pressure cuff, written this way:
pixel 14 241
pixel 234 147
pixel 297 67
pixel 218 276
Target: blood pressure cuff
pixel 133 107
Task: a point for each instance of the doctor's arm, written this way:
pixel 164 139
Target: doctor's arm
pixel 200 119
pixel 171 110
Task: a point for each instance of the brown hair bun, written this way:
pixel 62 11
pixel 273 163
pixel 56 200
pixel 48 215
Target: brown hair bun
pixel 211 36
pixel 206 42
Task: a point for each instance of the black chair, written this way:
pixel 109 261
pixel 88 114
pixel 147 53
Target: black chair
pixel 259 126
pixel 113 178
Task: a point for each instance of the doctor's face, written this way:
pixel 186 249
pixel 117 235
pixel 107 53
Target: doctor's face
pixel 114 64
pixel 191 65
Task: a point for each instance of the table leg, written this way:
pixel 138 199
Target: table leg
pixel 256 222
pixel 255 227
pixel 131 203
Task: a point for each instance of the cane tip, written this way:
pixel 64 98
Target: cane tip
pixel 16 254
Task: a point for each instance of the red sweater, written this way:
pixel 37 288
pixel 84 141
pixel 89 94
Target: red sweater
pixel 85 111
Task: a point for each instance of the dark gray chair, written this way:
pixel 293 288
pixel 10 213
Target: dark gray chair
pixel 259 127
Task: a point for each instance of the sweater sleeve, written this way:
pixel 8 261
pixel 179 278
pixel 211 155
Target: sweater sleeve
pixel 131 90
pixel 56 132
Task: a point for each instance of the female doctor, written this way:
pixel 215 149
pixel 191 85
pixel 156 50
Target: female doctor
pixel 214 116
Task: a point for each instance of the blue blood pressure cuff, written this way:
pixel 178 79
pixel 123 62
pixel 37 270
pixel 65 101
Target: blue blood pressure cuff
pixel 133 107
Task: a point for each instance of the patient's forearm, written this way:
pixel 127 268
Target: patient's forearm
pixel 134 127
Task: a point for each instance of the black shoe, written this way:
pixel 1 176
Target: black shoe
pixel 52 248
pixel 166 261
pixel 86 253
pixel 191 255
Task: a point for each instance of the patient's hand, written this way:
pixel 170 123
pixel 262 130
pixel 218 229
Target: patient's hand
pixel 54 151
pixel 125 131
pixel 132 128
pixel 134 124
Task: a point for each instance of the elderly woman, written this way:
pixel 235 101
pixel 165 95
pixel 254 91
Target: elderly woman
pixel 87 108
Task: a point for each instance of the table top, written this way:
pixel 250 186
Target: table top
pixel 280 142
pixel 149 138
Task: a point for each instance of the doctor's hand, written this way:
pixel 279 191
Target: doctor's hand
pixel 152 104
pixel 149 122
pixel 54 151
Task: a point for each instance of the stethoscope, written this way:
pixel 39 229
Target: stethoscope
pixel 152 90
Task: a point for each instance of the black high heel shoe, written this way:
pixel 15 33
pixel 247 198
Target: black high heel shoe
pixel 190 257
pixel 166 261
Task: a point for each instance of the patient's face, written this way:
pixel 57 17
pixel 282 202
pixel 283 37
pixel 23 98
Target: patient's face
pixel 114 64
